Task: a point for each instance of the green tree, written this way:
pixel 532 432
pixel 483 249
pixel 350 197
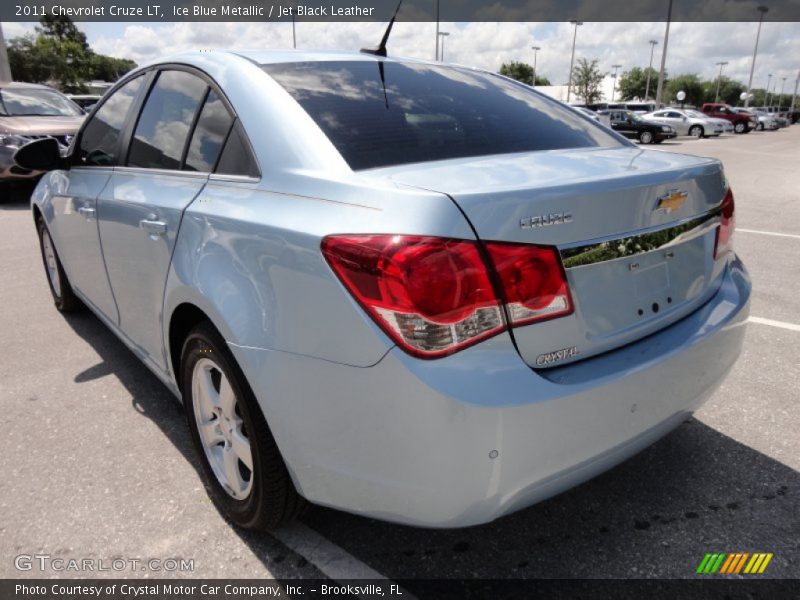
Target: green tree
pixel 633 84
pixel 729 91
pixel 689 83
pixel 59 54
pixel 586 80
pixel 522 72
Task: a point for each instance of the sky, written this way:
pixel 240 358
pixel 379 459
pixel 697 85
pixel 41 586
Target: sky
pixel 693 47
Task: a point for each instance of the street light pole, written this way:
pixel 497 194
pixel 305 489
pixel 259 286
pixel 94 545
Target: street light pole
pixel 794 96
pixel 572 60
pixel 535 52
pixel 762 10
pixel 766 98
pixel 660 88
pixel 614 87
pixel 443 34
pixel 719 79
pixel 780 98
pixel 650 69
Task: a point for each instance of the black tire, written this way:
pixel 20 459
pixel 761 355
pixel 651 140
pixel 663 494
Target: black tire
pixel 646 137
pixel 761 127
pixel 272 499
pixel 740 127
pixel 696 131
pixel 64 298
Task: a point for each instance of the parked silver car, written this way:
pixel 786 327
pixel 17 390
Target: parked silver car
pixel 28 112
pixel 686 123
pixel 766 121
pixel 727 126
pixel 414 291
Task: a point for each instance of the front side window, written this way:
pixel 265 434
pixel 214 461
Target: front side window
pixel 99 144
pixel 36 102
pixel 383 114
pixel 165 121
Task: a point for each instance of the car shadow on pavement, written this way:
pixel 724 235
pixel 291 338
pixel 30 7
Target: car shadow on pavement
pixel 151 399
pixel 655 515
pixel 15 196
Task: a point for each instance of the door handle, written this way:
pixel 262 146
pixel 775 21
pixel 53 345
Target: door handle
pixel 87 212
pixel 153 227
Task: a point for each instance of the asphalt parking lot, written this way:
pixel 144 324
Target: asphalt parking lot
pixel 97 462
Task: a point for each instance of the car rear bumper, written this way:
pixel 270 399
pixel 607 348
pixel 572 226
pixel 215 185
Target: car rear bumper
pixel 465 439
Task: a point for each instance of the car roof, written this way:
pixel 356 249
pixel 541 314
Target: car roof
pixel 23 85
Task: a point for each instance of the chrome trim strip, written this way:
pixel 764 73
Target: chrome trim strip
pixel 606 249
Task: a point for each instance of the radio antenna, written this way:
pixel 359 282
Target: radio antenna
pixel 381 49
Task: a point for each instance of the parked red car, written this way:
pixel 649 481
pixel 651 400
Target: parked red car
pixel 741 123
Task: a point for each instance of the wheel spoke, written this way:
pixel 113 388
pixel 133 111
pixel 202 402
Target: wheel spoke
pixel 241 446
pixel 207 396
pixel 227 399
pixel 230 467
pixel 210 432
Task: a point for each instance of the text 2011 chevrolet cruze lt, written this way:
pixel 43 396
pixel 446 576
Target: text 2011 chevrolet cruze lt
pixel 419 292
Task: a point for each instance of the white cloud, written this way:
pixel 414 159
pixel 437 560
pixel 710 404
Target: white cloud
pixel 693 47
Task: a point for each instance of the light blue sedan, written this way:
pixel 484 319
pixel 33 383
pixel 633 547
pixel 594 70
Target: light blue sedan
pixel 418 292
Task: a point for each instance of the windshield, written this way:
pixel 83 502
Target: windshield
pixel 694 113
pixel 380 114
pixel 18 102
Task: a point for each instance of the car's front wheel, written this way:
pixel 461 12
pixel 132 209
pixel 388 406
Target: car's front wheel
pixel 244 472
pixel 646 137
pixel 63 296
pixel 739 128
pixel 696 131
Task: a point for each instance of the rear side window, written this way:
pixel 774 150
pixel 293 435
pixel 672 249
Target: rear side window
pixel 386 113
pixel 237 159
pixel 100 138
pixel 209 135
pixel 166 119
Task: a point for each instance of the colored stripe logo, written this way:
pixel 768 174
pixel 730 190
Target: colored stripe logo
pixel 734 563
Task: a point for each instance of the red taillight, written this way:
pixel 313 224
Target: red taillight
pixel 533 282
pixel 724 241
pixel 434 296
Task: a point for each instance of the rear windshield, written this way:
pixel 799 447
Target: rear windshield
pixel 383 114
pixel 18 102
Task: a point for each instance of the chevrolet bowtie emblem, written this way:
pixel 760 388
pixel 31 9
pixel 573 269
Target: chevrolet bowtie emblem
pixel 671 201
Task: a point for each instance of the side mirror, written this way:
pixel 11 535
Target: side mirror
pixel 40 155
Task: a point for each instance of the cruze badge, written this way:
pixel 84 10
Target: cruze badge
pixel 545 220
pixel 671 201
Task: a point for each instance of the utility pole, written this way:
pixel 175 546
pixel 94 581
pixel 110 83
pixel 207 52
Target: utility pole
pixel 780 98
pixel 794 96
pixel 5 68
pixel 535 52
pixel 719 79
pixel 572 60
pixel 614 87
pixel 762 10
pixel 436 57
pixel 660 88
pixel 650 69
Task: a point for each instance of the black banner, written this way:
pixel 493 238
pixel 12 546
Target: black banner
pixel 709 588
pixel 411 10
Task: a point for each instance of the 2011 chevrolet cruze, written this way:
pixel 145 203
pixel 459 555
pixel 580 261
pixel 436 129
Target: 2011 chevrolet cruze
pixel 419 292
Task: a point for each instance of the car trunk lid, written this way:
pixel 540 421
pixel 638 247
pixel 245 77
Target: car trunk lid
pixel 635 230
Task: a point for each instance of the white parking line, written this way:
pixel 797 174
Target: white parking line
pixel 773 233
pixel 771 323
pixel 333 561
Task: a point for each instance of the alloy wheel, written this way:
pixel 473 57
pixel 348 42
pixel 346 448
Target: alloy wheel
pixel 222 433
pixel 51 263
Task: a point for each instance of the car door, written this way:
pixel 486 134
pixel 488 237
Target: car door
pixel 173 148
pixel 74 227
pixel 677 121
